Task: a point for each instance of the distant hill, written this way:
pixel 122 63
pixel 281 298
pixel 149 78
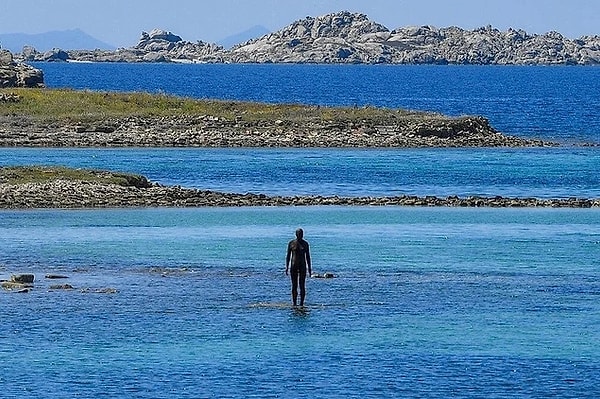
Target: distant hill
pixel 243 37
pixel 67 39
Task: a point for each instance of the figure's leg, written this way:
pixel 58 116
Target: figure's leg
pixel 294 275
pixel 302 279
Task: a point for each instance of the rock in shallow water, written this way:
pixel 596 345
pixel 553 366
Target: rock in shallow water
pixel 22 278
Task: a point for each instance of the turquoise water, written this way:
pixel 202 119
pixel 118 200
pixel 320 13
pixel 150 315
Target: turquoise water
pixel 426 303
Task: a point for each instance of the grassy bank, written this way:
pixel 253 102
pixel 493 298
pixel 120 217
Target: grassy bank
pixel 85 106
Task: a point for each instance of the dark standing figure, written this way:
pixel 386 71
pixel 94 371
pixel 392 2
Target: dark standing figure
pixel 299 254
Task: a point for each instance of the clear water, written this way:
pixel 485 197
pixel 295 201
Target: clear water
pixel 547 172
pixel 427 303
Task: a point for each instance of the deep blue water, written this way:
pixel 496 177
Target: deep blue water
pixel 558 103
pixel 539 172
pixel 427 302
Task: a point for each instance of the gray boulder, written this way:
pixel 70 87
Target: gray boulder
pixel 55 55
pixel 158 35
pixel 15 74
pixel 6 57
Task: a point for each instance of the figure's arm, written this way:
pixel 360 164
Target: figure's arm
pixel 308 263
pixel 287 259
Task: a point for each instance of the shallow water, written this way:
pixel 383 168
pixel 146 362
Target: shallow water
pixel 426 303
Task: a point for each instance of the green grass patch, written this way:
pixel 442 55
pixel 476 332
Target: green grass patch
pixel 85 106
pixel 41 174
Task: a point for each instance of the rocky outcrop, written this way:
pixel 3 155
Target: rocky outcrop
pixel 16 74
pixel 332 38
pixel 23 283
pixel 209 131
pixel 487 45
pixel 164 46
pixel 18 282
pixel 84 194
pixel 353 38
pixel 156 46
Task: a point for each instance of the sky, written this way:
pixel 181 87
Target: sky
pixel 120 22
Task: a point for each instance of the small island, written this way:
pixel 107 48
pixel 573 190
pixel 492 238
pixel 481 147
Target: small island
pixel 40 117
pixel 38 187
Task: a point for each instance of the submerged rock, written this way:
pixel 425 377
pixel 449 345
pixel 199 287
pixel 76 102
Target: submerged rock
pixel 106 290
pixel 61 287
pixel 11 285
pixel 55 276
pixel 324 275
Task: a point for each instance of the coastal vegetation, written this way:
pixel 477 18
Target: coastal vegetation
pixel 86 106
pixel 81 118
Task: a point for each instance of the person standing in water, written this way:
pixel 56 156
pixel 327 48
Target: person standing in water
pixel 298 253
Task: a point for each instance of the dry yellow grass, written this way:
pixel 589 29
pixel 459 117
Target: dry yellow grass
pixel 76 105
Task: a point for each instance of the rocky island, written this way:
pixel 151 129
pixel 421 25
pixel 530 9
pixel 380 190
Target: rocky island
pixel 352 38
pixel 28 187
pixel 66 118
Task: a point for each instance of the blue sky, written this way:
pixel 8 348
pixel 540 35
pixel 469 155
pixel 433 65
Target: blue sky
pixel 120 22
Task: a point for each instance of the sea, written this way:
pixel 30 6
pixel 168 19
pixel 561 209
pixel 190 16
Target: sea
pixel 425 302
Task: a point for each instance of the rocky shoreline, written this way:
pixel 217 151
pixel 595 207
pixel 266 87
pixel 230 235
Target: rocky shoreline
pixel 65 194
pixel 210 131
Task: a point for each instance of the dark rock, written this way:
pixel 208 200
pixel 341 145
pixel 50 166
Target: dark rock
pixel 56 276
pixel 22 278
pixel 61 287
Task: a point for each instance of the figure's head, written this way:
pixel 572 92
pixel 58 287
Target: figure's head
pixel 299 233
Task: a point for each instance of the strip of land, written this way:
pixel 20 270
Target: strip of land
pixel 35 187
pixel 69 118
